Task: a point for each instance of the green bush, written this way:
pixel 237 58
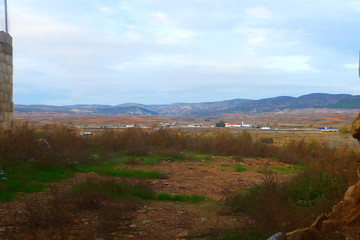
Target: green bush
pixel 272 202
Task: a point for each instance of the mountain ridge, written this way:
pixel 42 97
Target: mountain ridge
pixel 240 105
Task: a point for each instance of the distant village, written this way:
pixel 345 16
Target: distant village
pixel 240 126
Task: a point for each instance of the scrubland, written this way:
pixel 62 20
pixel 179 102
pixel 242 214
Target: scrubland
pixel 164 183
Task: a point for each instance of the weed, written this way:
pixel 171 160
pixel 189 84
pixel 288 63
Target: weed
pixel 149 160
pixel 272 203
pixel 29 177
pixel 240 168
pixel 91 192
pixel 312 188
pixel 108 169
pixel 180 198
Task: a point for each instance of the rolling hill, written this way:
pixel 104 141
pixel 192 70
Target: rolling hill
pixel 314 100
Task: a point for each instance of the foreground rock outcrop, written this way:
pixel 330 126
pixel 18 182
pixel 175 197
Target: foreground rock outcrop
pixel 343 222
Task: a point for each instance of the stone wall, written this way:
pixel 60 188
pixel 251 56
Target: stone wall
pixel 6 80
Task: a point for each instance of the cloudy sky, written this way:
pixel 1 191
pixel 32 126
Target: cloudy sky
pixel 160 51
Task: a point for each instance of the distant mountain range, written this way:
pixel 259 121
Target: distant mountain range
pixel 315 100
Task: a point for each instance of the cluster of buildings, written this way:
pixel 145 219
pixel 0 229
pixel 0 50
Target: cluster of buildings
pixel 227 125
pixel 242 125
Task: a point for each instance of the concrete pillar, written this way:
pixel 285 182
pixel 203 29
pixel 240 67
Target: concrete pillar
pixel 6 80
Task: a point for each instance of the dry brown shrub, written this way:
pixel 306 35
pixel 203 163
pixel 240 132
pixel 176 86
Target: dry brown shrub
pixel 66 144
pixel 18 143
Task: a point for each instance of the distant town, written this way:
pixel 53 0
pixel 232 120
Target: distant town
pixel 226 125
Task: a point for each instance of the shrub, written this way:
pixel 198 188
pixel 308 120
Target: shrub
pixel 272 203
pixel 100 189
pixel 266 140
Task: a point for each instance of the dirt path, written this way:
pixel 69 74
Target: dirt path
pixel 215 179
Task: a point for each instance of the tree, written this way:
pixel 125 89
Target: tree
pixel 220 124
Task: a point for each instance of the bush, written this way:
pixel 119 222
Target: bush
pixel 102 189
pixel 282 206
pixel 266 140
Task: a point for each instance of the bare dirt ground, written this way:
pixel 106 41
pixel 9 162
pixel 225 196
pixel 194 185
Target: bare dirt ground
pixel 215 179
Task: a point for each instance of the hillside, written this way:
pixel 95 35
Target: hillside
pixel 315 100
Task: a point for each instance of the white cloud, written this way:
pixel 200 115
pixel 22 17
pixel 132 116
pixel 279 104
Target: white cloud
pixel 351 65
pixel 258 12
pixel 107 9
pixel 254 36
pixel 289 63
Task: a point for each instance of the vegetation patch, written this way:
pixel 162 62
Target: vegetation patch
pixel 28 177
pixel 273 202
pixel 311 189
pixel 111 188
pixel 147 160
pixel 240 168
pixel 106 169
pixel 180 198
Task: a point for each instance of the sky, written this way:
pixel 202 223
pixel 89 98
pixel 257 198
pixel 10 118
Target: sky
pixel 160 52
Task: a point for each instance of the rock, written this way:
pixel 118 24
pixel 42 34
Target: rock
pixel 183 234
pixel 348 194
pixel 304 234
pixel 319 220
pixel 355 129
pixel 43 143
pixel 329 226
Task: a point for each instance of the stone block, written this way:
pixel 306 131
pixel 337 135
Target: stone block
pixel 6 49
pixel 3 37
pixel 8 39
pixel 6 80
pixel 8 59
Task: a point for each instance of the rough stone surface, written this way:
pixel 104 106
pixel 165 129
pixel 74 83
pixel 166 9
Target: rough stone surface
pixel 6 80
